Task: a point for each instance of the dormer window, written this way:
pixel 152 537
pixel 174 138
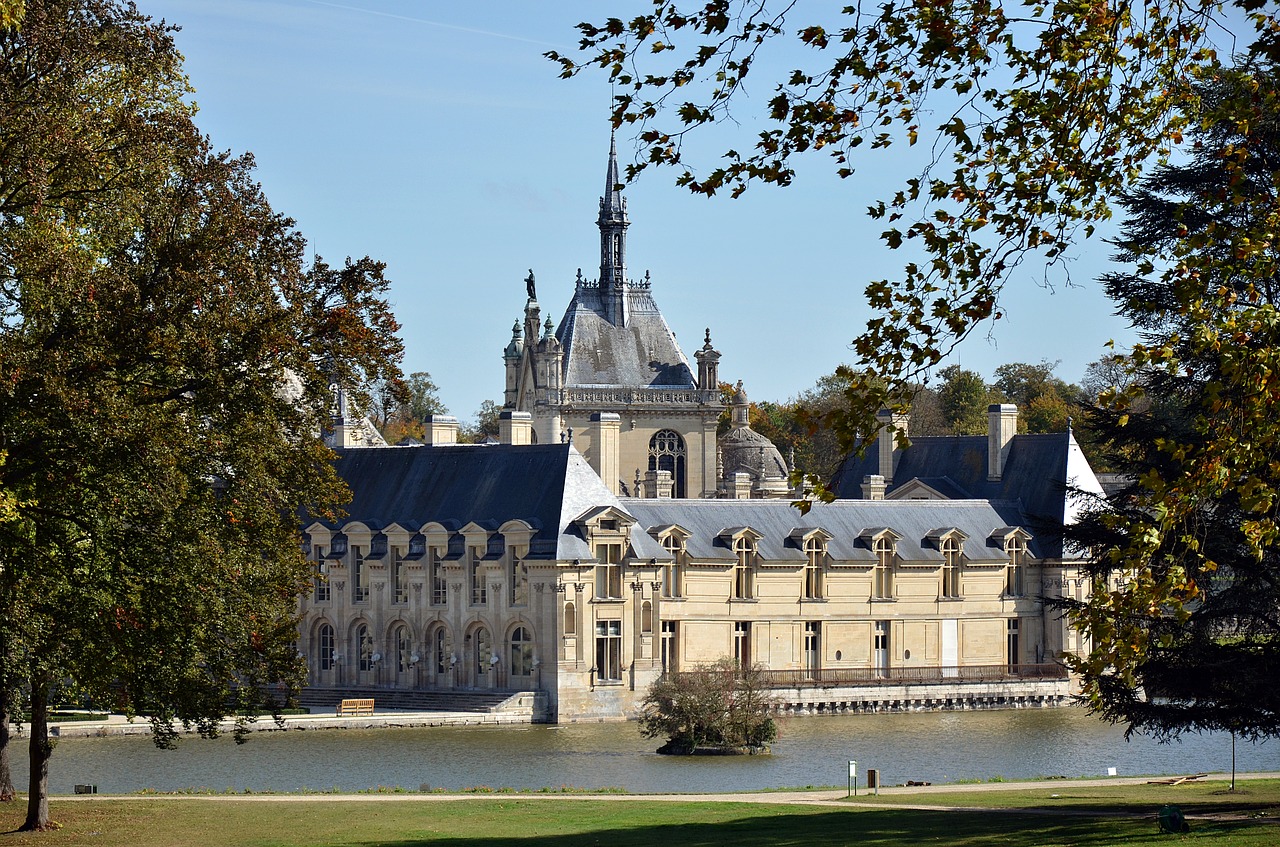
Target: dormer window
pixel 744 569
pixel 951 553
pixel 673 571
pixel 609 572
pixel 882 580
pixel 815 551
pixel 1016 548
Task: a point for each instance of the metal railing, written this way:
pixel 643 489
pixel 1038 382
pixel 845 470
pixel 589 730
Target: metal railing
pixel 837 677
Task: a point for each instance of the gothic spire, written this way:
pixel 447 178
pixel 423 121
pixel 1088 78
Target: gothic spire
pixel 613 223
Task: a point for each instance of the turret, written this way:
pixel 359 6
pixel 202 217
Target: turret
pixel 708 364
pixel 511 358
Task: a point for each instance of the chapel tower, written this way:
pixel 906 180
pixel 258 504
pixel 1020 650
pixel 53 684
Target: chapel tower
pixel 612 378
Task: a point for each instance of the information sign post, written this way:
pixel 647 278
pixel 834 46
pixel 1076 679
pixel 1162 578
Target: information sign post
pixel 853 779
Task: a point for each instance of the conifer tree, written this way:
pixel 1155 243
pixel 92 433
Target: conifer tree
pixel 1184 619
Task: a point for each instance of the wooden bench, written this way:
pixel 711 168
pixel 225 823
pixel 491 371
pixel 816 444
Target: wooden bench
pixel 355 708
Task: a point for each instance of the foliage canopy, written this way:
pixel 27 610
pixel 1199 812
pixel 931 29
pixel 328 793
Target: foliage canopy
pixel 1034 118
pixel 716 706
pixel 165 369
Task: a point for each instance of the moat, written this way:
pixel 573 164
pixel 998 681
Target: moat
pixel 932 746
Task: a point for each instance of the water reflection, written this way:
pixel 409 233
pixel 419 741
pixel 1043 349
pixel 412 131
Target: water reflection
pixel 931 746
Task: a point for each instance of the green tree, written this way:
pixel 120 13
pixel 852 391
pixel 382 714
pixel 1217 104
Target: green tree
pixel 712 706
pixel 165 371
pixel 964 398
pixel 485 425
pixel 1182 618
pixel 1032 120
pixel 401 408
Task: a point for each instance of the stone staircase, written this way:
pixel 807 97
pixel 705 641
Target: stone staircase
pixel 326 699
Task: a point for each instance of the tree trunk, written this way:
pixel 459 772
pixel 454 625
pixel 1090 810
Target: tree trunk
pixel 38 793
pixel 7 791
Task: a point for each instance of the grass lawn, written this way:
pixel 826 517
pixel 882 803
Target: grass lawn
pixel 505 821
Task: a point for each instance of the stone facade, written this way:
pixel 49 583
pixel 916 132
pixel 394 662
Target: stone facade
pixel 610 539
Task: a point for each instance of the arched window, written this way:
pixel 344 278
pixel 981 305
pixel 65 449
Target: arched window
pixel 882 589
pixel 646 617
pixel 483 651
pixel 666 453
pixel 324 638
pixel 441 648
pixel 364 647
pixel 404 648
pixel 951 567
pixel 521 651
pixel 570 620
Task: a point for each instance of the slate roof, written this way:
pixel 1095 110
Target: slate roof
pixel 1034 475
pixel 642 354
pixel 850 523
pixel 545 485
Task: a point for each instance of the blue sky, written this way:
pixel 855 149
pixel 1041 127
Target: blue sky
pixel 435 137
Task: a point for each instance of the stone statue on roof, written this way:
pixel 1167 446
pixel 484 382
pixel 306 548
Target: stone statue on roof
pixel 528 284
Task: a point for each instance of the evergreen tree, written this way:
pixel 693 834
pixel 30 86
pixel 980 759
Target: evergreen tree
pixel 1184 618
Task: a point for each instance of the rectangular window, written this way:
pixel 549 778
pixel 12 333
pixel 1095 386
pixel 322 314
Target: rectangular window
pixel 321 577
pixel 439 588
pixel 1015 655
pixel 812 659
pixel 359 585
pixel 670 643
pixel 742 643
pixel 609 572
pixel 744 569
pixel 609 651
pixel 951 569
pixel 399 577
pixel 479 591
pixel 1017 550
pixel 813 570
pixel 882 589
pixel 881 655
pixel 673 571
pixel 519 582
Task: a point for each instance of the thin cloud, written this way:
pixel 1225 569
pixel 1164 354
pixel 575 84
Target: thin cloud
pixel 437 24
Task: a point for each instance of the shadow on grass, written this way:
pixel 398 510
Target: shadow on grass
pixel 883 829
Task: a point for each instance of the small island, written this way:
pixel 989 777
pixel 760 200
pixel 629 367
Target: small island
pixel 720 709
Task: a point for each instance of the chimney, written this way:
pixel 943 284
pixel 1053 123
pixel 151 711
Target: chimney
pixel 891 423
pixel 1002 426
pixel 659 484
pixel 515 428
pixel 873 487
pixel 741 486
pixel 605 427
pixel 441 430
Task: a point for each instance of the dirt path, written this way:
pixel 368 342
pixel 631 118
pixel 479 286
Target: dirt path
pixel 831 798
